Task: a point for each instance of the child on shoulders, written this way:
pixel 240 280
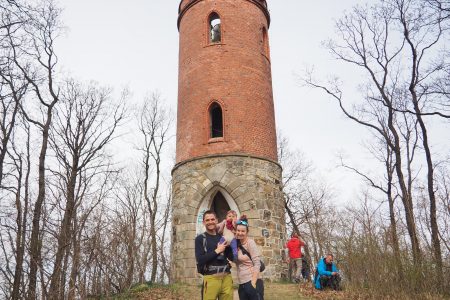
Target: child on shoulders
pixel 227 228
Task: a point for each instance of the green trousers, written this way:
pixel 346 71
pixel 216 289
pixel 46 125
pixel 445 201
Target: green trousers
pixel 220 286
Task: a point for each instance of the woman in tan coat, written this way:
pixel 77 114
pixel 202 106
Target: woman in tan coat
pixel 251 286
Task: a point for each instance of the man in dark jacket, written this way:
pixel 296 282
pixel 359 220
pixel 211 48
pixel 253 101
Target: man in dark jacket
pixel 217 280
pixel 327 274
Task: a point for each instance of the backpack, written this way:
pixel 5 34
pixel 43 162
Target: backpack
pixel 201 269
pixel 262 267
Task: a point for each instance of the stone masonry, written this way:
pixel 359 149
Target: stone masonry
pixel 253 183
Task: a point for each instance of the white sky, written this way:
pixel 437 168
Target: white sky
pixel 135 43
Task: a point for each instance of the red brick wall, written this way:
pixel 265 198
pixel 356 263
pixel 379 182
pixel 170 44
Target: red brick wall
pixel 236 73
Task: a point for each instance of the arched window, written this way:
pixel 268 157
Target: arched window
pixel 265 43
pixel 216 120
pixel 215 33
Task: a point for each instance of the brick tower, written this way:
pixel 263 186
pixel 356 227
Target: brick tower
pixel 226 155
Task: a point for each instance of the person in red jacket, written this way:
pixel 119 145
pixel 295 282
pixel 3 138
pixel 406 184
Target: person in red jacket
pixel 294 246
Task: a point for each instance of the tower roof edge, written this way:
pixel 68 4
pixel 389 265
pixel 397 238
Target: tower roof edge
pixel 186 4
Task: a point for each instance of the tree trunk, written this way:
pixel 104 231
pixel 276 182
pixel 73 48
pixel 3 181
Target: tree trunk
pixel 35 246
pixel 19 238
pixel 430 180
pixel 165 268
pixel 7 131
pixel 76 239
pixel 153 225
pixel 406 197
pixel 131 253
pixel 416 57
pixel 64 241
pixel 393 223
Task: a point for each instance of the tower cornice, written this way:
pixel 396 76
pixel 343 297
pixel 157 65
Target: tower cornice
pixel 224 155
pixel 185 5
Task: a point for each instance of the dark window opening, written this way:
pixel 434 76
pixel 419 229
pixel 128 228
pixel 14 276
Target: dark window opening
pixel 220 206
pixel 215 34
pixel 216 121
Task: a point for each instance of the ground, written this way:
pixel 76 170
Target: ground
pixel 273 291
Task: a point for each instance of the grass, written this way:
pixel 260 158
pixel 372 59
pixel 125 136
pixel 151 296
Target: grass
pixel 285 291
pixel 273 291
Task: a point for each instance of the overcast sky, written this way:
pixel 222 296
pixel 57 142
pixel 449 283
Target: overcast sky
pixel 135 44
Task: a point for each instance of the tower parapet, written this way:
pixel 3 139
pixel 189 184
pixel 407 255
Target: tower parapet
pixel 186 4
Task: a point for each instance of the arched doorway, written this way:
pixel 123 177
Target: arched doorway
pixel 220 206
pixel 218 200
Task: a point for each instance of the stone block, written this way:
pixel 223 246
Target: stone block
pixel 206 182
pixel 261 203
pixel 216 173
pixel 258 223
pixel 233 185
pixel 260 241
pixel 266 215
pixel 191 273
pixel 252 215
pixel 245 197
pixel 271 226
pixel 243 207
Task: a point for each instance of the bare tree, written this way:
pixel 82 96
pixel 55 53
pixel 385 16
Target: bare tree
pixel 11 13
pixel 154 126
pixel 164 246
pixel 296 176
pixel 95 189
pixel 132 214
pixel 364 34
pixel 65 244
pixel 442 6
pixel 32 53
pixel 85 123
pixel 305 201
pixel 397 44
pixel 422 32
pixel 13 86
pixel 23 167
pixel 443 193
pixel 383 153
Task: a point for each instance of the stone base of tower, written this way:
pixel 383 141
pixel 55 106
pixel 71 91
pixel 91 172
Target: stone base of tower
pixel 250 185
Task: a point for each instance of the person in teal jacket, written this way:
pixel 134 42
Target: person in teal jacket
pixel 327 274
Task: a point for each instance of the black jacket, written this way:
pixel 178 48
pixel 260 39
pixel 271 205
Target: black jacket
pixel 209 257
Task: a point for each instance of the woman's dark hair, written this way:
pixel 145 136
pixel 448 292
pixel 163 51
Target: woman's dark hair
pixel 242 221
